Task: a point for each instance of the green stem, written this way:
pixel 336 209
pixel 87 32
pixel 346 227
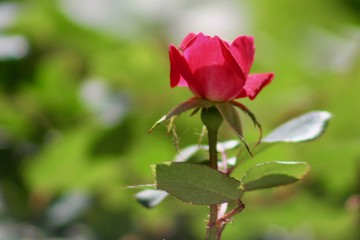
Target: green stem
pixel 212 136
pixel 212 120
pixel 212 231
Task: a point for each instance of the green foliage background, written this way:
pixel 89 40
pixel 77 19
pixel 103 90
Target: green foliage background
pixel 55 145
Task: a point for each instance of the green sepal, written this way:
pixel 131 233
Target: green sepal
pixel 192 103
pixel 251 115
pixel 232 118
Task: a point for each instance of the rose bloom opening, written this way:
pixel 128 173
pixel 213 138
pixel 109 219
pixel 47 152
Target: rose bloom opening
pixel 216 70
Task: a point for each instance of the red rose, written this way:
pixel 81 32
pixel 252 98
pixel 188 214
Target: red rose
pixel 215 70
pixel 217 73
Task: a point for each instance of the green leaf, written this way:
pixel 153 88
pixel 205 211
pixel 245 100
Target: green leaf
pixel 150 198
pixel 307 127
pixel 304 128
pixel 197 184
pixel 273 174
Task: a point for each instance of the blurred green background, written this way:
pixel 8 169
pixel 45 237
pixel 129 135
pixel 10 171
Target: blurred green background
pixel 81 82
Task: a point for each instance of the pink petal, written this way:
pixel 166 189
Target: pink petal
pixel 180 72
pixel 254 84
pixel 214 76
pixel 243 50
pixel 175 77
pixel 187 40
pixel 225 49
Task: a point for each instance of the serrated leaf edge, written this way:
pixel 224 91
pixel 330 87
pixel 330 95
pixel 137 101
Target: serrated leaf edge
pixel 225 195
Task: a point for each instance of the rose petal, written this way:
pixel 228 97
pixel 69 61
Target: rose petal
pixel 243 50
pixel 254 84
pixel 175 77
pixel 214 76
pixel 187 40
pixel 179 69
pixel 225 49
